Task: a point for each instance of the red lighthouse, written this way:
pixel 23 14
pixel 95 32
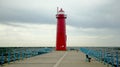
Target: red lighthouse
pixel 61 31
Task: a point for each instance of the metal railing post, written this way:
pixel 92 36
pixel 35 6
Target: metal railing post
pixel 117 59
pixel 9 57
pixel 2 58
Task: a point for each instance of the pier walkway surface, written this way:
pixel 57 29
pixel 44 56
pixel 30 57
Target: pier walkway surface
pixel 57 59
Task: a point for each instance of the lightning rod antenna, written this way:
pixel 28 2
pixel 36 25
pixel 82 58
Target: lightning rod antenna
pixel 57 9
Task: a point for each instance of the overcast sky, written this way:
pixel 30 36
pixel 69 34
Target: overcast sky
pixel 33 22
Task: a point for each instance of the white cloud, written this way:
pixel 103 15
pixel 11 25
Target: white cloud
pixel 89 22
pixel 18 36
pixel 93 37
pixel 45 35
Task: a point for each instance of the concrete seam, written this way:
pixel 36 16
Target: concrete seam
pixel 58 62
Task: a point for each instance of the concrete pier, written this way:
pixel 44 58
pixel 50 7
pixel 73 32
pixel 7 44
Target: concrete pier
pixel 57 59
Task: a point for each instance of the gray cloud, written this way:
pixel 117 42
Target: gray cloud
pixel 91 22
pixel 86 14
pixel 25 16
pixel 102 16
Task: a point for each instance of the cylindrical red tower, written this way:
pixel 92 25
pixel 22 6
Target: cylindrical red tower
pixel 61 31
